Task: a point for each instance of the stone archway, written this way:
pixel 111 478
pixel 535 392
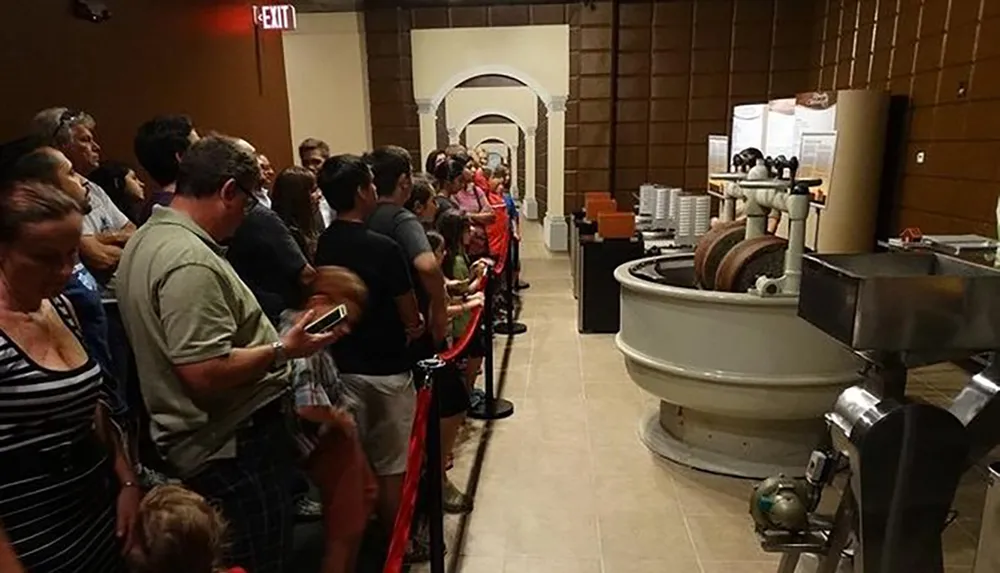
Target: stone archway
pixel 444 58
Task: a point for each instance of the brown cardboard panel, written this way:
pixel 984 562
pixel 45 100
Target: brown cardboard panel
pixel 597 14
pixel 953 81
pixel 668 110
pixel 959 44
pixel 934 17
pixel 672 63
pixel 635 14
pixel 595 111
pixel 669 86
pixel 634 88
pixel 635 64
pixel 594 134
pixel 635 39
pixel 595 38
pixel 716 85
pixel 630 179
pixel 631 156
pixel 749 84
pixel 509 15
pixel 633 111
pixel 711 62
pixel 708 109
pixel 984 120
pixel 662 156
pixel 949 122
pixel 673 13
pixel 667 132
pixel 697 155
pixel 928 55
pixel 595 87
pixel 593 157
pixel 672 37
pixel 595 63
pixel 542 14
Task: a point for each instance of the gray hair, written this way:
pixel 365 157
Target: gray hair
pixel 208 164
pixel 53 126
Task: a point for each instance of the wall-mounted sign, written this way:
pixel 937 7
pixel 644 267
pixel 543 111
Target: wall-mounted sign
pixel 275 17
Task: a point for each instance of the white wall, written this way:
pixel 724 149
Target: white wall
pixel 326 70
pixel 478 132
pixel 536 55
pixel 463 105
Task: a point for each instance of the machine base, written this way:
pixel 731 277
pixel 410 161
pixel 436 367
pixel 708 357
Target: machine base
pixel 530 209
pixel 556 233
pixel 686 451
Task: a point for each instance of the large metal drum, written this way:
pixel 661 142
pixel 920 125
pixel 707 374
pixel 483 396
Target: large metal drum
pixel 743 381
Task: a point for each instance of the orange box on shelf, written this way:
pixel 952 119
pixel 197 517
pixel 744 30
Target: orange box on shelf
pixel 594 207
pixel 596 195
pixel 616 225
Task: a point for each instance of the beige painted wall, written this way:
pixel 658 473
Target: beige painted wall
pixel 443 58
pixel 327 75
pixel 463 105
pixel 478 132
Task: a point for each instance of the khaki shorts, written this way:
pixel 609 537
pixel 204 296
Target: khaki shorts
pixel 385 418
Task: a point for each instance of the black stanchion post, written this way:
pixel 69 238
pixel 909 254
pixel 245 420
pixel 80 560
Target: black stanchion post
pixel 510 327
pixel 492 408
pixel 435 511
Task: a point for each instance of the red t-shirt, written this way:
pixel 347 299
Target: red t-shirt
pixel 236 570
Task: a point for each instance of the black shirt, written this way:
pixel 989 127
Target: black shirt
pixel 265 255
pixel 377 344
pixel 405 229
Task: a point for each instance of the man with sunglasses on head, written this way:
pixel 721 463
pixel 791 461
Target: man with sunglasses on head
pixel 212 366
pixel 106 229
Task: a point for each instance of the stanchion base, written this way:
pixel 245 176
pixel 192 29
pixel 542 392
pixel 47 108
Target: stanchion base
pixel 497 409
pixel 511 329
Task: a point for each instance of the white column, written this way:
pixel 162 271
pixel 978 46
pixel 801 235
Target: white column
pixel 556 229
pixel 530 203
pixel 453 136
pixel 513 169
pixel 428 127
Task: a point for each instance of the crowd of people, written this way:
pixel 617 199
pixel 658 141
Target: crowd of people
pixel 165 402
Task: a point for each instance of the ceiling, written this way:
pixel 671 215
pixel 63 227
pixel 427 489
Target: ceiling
pixel 355 5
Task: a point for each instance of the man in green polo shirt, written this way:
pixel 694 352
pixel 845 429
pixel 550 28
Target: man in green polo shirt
pixel 210 364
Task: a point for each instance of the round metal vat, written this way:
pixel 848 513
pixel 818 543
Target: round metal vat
pixel 743 381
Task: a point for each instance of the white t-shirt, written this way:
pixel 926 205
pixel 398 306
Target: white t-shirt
pixel 326 212
pixel 104 216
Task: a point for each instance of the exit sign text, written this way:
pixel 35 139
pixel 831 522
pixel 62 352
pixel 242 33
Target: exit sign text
pixel 275 17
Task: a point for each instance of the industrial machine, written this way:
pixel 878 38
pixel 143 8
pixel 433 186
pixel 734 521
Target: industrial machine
pixel 733 401
pixel 902 458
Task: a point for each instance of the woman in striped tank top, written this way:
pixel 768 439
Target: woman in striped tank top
pixel 68 496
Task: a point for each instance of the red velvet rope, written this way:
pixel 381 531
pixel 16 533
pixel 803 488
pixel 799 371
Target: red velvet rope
pixel 415 454
pixel 414 461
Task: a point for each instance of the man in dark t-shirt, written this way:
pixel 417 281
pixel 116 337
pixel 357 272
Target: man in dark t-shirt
pixel 265 255
pixel 393 183
pixel 373 359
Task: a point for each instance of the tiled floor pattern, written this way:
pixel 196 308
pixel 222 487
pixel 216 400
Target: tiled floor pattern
pixel 566 486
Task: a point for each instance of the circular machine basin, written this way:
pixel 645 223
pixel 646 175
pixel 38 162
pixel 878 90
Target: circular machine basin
pixel 743 382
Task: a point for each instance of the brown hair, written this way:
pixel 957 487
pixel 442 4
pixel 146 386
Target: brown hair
pixel 26 202
pixel 311 144
pixel 177 530
pixel 341 286
pixel 291 200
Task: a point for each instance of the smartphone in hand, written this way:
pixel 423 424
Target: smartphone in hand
pixel 328 321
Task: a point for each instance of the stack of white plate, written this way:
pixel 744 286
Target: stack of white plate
pixel 675 205
pixel 694 216
pixel 661 214
pixel 647 199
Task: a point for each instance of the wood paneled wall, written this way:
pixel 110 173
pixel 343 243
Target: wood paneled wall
pixel 681 66
pixel 945 56
pixel 185 56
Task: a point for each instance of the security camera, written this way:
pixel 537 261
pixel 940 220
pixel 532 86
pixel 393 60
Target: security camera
pixel 94 11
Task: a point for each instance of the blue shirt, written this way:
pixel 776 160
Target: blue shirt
pixel 508 200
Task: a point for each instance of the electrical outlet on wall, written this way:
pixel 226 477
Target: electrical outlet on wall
pixel 921 156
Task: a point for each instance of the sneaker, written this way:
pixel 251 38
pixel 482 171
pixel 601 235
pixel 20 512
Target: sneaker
pixel 454 500
pixel 522 285
pixel 476 398
pixel 307 509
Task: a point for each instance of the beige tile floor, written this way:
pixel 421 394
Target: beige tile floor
pixel 565 484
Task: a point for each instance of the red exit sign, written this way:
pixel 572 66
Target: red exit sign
pixel 275 17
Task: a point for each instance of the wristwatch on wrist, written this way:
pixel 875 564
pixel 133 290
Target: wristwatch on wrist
pixel 280 355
